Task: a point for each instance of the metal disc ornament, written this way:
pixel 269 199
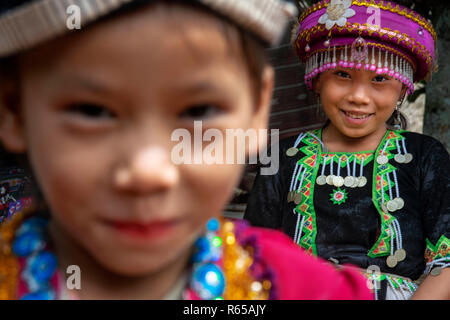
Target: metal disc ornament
pixel 382 159
pixel 436 271
pixel 408 157
pixel 391 205
pixel 384 208
pixel 348 181
pixel 391 261
pixel 338 181
pixel 355 182
pixel 400 203
pixel 400 254
pixel 330 179
pixel 362 181
pixel 321 180
pixel 297 198
pixel 399 158
pixel 290 197
pixel 291 151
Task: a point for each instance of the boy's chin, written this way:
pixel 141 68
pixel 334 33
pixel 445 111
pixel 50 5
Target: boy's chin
pixel 135 265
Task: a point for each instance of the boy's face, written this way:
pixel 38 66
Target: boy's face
pixel 98 113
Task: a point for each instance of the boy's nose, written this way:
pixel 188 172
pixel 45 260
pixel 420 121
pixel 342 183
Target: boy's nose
pixel 148 170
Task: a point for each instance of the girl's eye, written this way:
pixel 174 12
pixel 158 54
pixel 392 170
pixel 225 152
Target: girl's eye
pixel 203 111
pixel 91 111
pixel 380 78
pixel 342 74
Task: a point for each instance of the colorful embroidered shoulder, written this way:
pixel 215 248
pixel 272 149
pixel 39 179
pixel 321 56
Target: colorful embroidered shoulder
pixel 439 251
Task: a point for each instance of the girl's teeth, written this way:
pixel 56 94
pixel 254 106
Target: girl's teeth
pixel 354 116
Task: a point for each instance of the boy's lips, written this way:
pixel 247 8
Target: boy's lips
pixel 141 230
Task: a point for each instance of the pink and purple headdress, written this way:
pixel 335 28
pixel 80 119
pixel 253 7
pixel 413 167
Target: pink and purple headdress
pixel 352 34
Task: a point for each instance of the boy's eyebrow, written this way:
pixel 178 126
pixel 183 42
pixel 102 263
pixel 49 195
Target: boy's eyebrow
pixel 85 82
pixel 101 87
pixel 199 87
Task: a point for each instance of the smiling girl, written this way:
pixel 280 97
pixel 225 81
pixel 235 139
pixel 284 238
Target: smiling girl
pixel 94 110
pixel 362 189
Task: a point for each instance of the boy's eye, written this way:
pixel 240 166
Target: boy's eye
pixel 202 111
pixel 342 74
pixel 380 78
pixel 89 110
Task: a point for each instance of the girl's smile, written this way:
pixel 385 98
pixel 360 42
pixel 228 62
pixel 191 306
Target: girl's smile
pixel 356 117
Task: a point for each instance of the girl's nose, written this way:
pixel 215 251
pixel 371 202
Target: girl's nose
pixel 359 95
pixel 148 170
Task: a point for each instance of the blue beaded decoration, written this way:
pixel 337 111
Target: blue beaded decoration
pixel 40 264
pixel 26 243
pixel 207 279
pixel 47 294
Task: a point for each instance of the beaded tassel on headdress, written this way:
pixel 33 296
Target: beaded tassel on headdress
pixel 327 60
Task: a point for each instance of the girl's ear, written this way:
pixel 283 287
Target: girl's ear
pixel 260 119
pixel 11 127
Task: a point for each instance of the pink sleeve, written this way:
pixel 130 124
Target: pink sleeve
pixel 300 276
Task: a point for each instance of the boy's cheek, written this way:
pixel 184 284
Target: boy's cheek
pixel 211 185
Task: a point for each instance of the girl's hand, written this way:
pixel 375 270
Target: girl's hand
pixel 434 287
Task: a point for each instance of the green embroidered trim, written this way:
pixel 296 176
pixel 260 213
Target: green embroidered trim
pixel 382 246
pixel 440 250
pixel 348 153
pixel 339 196
pixel 368 156
pixel 306 206
pixel 396 281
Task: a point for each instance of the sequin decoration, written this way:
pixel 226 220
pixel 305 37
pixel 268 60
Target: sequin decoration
pixel 9 265
pixel 240 267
